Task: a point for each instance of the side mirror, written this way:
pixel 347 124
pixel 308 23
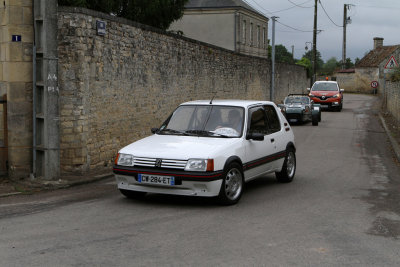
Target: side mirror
pixel 308 89
pixel 154 130
pixel 255 136
pixel 341 90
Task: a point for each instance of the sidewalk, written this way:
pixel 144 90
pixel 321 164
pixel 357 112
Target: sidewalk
pixel 30 186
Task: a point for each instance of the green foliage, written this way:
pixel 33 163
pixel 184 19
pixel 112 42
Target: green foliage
pixel 348 65
pixel 330 66
pixel 156 13
pixel 281 54
pixel 319 62
pixel 395 75
pixel 305 62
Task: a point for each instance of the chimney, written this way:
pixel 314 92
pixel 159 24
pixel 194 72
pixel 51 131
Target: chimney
pixel 378 42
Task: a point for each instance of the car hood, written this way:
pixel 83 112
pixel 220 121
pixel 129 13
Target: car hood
pixel 178 147
pixel 326 93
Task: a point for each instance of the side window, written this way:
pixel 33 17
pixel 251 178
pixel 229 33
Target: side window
pixel 257 121
pixel 274 124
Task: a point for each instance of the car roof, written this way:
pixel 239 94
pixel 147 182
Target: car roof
pixel 325 82
pixel 228 102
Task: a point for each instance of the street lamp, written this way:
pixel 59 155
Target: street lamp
pixel 306 48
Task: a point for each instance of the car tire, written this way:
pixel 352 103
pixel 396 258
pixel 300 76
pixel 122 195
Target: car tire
pixel 232 185
pixel 319 116
pixel 133 194
pixel 288 171
pixel 315 119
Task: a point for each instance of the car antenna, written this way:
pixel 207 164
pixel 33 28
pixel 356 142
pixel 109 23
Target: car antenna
pixel 212 99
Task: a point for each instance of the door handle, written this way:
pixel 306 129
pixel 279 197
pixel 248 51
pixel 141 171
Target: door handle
pixel 272 140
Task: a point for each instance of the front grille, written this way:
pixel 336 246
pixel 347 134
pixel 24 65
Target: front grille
pixel 324 97
pixel 160 163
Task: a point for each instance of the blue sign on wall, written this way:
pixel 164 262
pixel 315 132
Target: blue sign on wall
pixel 16 38
pixel 101 27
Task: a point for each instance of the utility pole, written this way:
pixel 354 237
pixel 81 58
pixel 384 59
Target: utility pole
pixel 314 57
pixel 346 20
pixel 344 37
pixel 292 51
pixel 272 89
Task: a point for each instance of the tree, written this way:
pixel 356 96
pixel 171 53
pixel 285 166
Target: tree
pixel 356 61
pixel 305 62
pixel 319 63
pixel 156 13
pixel 281 54
pixel 330 66
pixel 348 64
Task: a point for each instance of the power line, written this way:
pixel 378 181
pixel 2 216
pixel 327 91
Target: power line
pixel 290 27
pixel 300 5
pixel 326 13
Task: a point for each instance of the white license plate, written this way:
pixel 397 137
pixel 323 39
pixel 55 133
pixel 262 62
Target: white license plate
pixel 156 179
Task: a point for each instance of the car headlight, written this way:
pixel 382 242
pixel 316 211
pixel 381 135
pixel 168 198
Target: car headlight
pixel 124 159
pixel 337 95
pixel 311 95
pixel 200 165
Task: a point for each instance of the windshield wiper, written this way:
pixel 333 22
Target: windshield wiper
pixel 206 133
pixel 174 131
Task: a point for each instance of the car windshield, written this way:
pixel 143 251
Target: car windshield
pixel 207 121
pixel 325 87
pixel 297 100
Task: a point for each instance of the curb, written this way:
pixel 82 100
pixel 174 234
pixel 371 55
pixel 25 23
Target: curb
pixel 9 194
pixel 394 143
pixel 94 179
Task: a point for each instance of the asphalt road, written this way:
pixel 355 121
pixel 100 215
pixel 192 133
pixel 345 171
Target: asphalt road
pixel 342 209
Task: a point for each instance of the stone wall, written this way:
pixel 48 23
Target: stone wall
pixel 114 88
pixel 16 77
pixel 393 99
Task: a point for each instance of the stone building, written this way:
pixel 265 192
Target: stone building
pixel 16 86
pixel 231 24
pixel 372 66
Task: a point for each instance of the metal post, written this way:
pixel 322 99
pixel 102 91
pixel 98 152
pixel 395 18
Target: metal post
pixel 272 90
pixel 344 37
pixel 314 61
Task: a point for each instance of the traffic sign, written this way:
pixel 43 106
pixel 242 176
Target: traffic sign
pixel 374 84
pixel 392 63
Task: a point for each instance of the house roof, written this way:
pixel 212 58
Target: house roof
pixel 375 57
pixel 198 4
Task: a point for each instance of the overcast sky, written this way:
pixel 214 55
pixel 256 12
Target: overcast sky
pixel 370 18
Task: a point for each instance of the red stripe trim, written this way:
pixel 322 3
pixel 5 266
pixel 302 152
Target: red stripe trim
pixel 270 158
pixel 170 174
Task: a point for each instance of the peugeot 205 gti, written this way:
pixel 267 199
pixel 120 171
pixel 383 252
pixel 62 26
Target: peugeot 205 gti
pixel 209 149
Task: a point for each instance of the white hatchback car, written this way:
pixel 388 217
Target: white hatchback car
pixel 209 148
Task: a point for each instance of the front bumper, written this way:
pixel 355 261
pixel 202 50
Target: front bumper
pixel 330 103
pixel 186 183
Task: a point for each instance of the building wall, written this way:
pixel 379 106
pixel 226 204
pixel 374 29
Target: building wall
pixel 234 29
pixel 16 82
pixel 346 81
pixel 251 42
pixel 209 27
pixel 363 78
pixel 393 99
pixel 115 88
